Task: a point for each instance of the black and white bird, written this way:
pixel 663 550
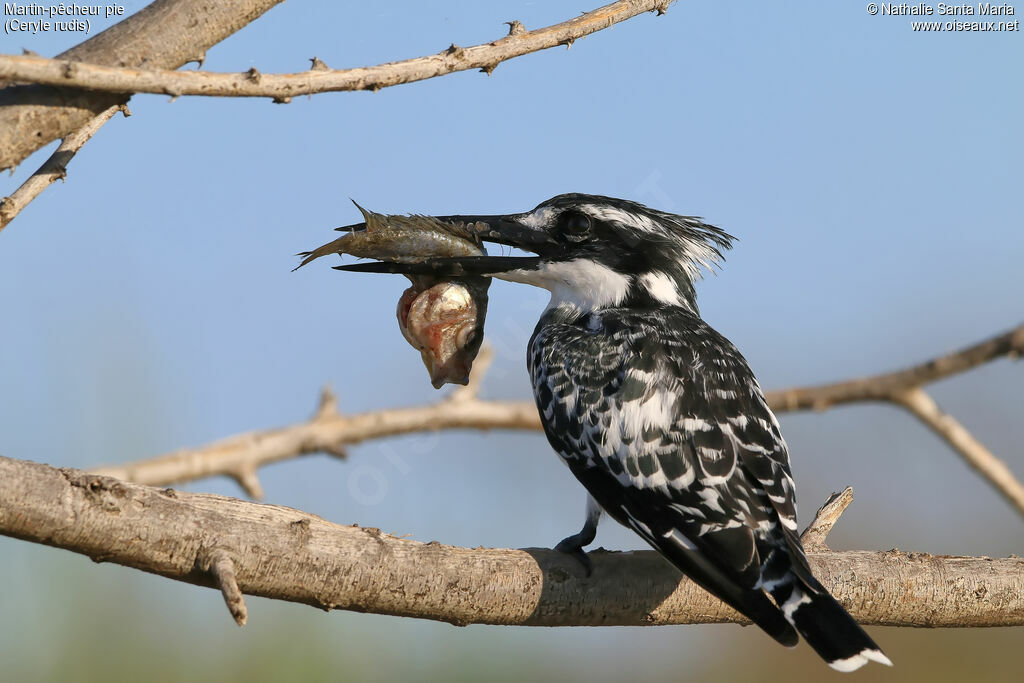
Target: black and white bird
pixel 657 414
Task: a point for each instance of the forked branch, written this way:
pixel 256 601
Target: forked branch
pixel 329 431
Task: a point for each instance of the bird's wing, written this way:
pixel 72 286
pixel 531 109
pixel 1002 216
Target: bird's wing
pixel 662 420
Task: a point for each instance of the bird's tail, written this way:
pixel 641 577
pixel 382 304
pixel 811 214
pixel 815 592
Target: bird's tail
pixel 825 625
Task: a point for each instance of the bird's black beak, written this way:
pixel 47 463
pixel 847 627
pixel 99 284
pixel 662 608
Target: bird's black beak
pixel 506 229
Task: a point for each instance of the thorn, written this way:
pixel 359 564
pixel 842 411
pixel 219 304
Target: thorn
pixel 30 53
pixel 568 43
pixel 125 111
pixel 199 59
pixel 489 69
pixel 328 404
pixel 455 51
pixel 336 450
pixel 282 100
pixel 249 482
pixel 253 75
pixel 515 27
pixel 374 88
pixel 318 65
pixel 220 565
pixel 662 9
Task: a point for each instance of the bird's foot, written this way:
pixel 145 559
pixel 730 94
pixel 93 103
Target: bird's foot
pixel 573 546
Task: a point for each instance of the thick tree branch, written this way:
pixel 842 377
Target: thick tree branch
pixel 286 554
pixel 240 456
pixel 282 87
pixel 164 35
pixel 54 168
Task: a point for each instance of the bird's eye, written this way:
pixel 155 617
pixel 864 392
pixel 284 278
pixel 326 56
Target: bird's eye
pixel 576 226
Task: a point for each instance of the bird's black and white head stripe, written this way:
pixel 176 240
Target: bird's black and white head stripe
pixel 601 251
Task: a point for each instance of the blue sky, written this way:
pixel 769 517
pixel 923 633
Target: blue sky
pixel 872 174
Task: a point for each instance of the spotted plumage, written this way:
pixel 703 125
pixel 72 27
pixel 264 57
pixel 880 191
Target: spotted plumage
pixel 662 420
pixel 659 416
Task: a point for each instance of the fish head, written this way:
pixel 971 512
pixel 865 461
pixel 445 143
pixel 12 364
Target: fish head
pixel 444 323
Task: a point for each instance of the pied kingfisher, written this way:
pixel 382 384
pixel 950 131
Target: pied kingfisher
pixel 656 413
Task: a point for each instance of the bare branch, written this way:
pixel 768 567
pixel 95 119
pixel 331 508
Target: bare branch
pixel 163 35
pixel 292 555
pixel 282 87
pixel 54 168
pixel 903 388
pixel 325 432
pixel 813 537
pixel 994 470
pixel 886 387
pixel 330 432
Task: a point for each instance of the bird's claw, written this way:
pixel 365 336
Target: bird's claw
pixel 573 547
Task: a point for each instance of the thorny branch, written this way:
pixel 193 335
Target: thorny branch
pixel 54 168
pixel 163 35
pixel 96 75
pixel 281 553
pixel 328 431
pixel 282 87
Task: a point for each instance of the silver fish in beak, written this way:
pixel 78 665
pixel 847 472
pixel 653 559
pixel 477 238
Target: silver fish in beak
pixel 440 316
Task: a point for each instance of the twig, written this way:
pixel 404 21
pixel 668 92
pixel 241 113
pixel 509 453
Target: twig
pixel 994 470
pixel 282 87
pixel 55 167
pixel 813 537
pixel 242 455
pixel 292 555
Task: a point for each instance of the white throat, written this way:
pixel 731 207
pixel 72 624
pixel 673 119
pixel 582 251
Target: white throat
pixel 582 284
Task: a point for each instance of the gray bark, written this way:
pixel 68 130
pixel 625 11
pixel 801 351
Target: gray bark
pixel 287 554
